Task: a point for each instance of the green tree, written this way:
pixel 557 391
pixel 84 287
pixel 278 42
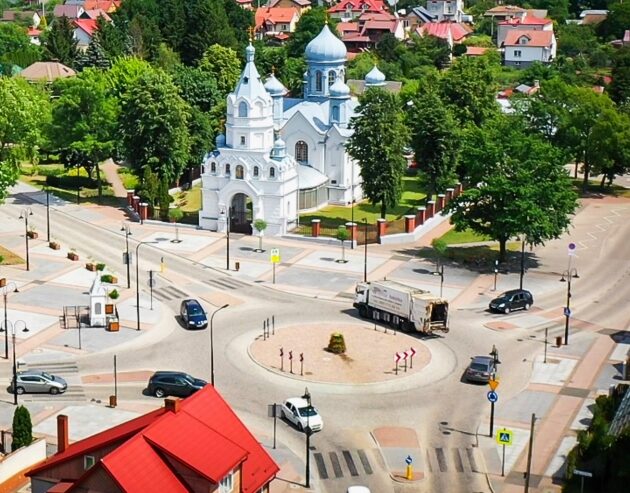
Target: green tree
pixel 523 188
pixel 616 22
pixel 94 56
pixel 610 150
pixel 16 48
pixel 434 139
pixel 240 20
pixel 260 225
pixel 24 110
pixel 222 65
pixel 470 88
pixel 150 187
pixel 377 144
pixel 342 236
pixel 59 43
pixel 112 38
pixel 22 428
pixel 154 126
pixel 124 74
pixel 84 121
pixel 207 24
pixel 310 25
pixel 620 86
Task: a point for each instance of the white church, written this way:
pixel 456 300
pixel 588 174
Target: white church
pixel 279 154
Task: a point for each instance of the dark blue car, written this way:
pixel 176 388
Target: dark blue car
pixel 193 315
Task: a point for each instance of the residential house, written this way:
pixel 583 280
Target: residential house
pixel 33 33
pixel 347 10
pixel 28 17
pixel 521 48
pixel 301 5
pixel 84 30
pixel 193 445
pixel 368 29
pixel 245 4
pixel 505 12
pixel 276 21
pixel 414 17
pixel 476 51
pixel 452 32
pixel 527 90
pixel 70 11
pixel 109 6
pixel 624 41
pixel 446 10
pixel 95 14
pixel 46 72
pixel 526 23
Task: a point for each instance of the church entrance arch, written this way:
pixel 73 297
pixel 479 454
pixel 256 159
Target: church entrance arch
pixel 241 214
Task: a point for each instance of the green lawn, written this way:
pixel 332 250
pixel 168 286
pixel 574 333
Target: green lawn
pixel 190 200
pixel 7 257
pixel 129 179
pixel 594 187
pixel 412 197
pixel 453 237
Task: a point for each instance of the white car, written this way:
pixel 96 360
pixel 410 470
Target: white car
pixel 358 489
pixel 297 411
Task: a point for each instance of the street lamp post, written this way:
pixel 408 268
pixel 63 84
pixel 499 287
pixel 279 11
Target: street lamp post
pixel 365 242
pixel 24 215
pixel 138 280
pixel 522 261
pixel 212 342
pixel 440 272
pixel 5 293
pixel 127 230
pixel 567 275
pixel 308 432
pixel 227 254
pixel 47 215
pixel 13 326
pixel 352 203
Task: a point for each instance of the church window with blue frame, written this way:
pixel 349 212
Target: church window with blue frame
pixel 213 167
pixel 335 114
pixel 331 77
pixel 242 109
pixel 319 81
pixel 301 151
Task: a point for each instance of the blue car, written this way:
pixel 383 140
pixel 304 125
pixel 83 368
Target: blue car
pixel 193 315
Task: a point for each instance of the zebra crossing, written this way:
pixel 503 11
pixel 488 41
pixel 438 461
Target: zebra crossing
pixel 226 283
pixel 169 293
pixel 69 371
pixel 334 465
pixel 448 460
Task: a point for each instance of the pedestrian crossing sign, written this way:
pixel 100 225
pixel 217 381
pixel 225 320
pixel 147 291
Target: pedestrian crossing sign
pixel 275 255
pixel 504 436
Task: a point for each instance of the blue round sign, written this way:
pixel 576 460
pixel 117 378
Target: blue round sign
pixel 409 460
pixel 493 396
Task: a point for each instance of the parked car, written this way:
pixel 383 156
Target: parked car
pixel 298 411
pixel 480 369
pixel 358 489
pixel 193 315
pixel 37 381
pixel 516 299
pixel 175 383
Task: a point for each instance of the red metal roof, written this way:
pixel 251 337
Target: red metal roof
pixel 475 50
pixel 205 436
pixel 275 15
pixel 358 5
pixel 441 30
pixel 534 38
pixel 527 21
pixel 88 25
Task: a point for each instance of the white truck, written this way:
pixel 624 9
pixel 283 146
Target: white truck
pixel 404 307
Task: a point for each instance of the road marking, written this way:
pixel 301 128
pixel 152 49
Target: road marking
pixel 459 465
pixel 321 466
pixel 441 458
pixel 226 283
pixel 336 466
pixel 471 459
pixel 364 460
pixel 350 461
pixel 429 466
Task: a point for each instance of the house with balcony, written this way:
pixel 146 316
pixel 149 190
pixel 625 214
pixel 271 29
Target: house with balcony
pixel 523 48
pixel 446 10
pixel 276 22
pixel 527 23
pixel 301 5
pixel 197 444
pixel 348 10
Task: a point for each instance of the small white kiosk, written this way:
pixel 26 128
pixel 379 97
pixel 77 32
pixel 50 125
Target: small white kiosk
pixel 98 299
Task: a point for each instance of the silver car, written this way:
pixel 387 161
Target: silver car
pixel 37 381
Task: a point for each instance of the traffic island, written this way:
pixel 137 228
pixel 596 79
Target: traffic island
pixel 401 453
pixel 370 353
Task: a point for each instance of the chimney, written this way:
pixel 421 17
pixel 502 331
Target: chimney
pixel 171 404
pixel 62 433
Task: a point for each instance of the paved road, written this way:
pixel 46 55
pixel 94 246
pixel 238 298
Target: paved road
pixel 444 412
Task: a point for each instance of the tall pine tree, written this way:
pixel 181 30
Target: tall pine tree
pixel 59 43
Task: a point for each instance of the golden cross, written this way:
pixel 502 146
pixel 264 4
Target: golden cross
pixel 250 29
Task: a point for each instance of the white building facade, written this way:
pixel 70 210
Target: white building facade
pixel 282 154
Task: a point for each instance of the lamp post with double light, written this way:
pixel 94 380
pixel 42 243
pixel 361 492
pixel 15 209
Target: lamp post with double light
pixel 440 272
pixel 13 326
pixel 212 342
pixel 308 433
pixel 226 212
pixel 138 279
pixel 567 275
pixel 127 230
pixel 10 287
pixel 47 215
pixel 523 238
pixel 24 215
pixel 365 242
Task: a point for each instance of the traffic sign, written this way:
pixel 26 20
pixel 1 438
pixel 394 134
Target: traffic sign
pixel 275 255
pixel 567 311
pixel 397 357
pixel 493 384
pixel 504 436
pixel 405 355
pixel 412 351
pixel 409 460
pixel 493 396
pixel 572 248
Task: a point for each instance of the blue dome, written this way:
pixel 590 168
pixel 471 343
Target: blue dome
pixel 220 140
pixel 339 89
pixel 326 47
pixel 375 77
pixel 275 87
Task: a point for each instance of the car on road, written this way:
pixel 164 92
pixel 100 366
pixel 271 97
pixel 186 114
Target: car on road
pixel 480 369
pixel 175 383
pixel 298 411
pixel 516 299
pixel 38 382
pixel 193 315
pixel 358 489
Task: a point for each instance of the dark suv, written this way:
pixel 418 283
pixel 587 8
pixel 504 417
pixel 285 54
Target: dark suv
pixel 175 383
pixel 193 315
pixel 516 299
pixel 480 369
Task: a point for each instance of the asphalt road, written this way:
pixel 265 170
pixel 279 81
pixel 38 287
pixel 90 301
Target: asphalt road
pixel 445 413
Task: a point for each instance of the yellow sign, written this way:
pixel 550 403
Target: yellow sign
pixel 493 384
pixel 275 255
pixel 504 436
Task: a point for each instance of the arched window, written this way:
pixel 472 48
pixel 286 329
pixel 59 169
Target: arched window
pixel 331 77
pixel 319 81
pixel 301 151
pixel 242 109
pixel 97 308
pixel 227 169
pixel 335 114
pixel 255 171
pixel 272 172
pixel 213 167
pixel 239 172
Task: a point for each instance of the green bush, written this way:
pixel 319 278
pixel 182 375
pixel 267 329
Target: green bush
pixel 100 267
pixel 114 295
pixel 175 215
pixel 107 278
pixel 22 428
pixel 337 344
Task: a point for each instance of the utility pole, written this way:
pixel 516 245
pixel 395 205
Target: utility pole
pixel 529 453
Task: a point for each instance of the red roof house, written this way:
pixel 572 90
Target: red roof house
pixel 347 10
pixel 191 445
pixel 272 21
pixel 453 32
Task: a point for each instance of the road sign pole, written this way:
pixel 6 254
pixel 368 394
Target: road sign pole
pixel 151 287
pixel 491 418
pixel 275 420
pixel 546 333
pixel 396 367
pixel 274 273
pixel 502 462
